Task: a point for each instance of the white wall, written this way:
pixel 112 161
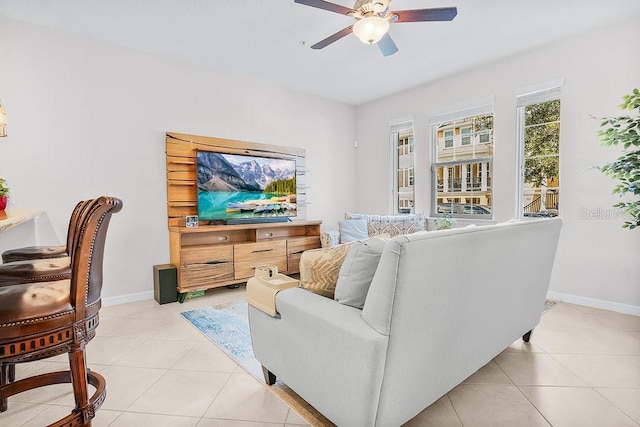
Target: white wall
pixel 87 119
pixel 597 261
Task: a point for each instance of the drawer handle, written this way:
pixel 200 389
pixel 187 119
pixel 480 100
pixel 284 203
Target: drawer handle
pixel 223 238
pixel 261 250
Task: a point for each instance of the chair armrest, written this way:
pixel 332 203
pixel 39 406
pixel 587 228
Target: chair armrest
pixel 329 239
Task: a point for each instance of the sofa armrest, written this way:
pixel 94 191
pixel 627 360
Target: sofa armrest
pixel 324 351
pixel 329 239
pixel 301 305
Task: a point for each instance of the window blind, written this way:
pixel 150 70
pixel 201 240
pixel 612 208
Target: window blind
pixel 484 106
pixel 539 93
pixel 401 127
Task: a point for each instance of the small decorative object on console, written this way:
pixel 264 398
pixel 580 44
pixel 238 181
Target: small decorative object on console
pixel 191 221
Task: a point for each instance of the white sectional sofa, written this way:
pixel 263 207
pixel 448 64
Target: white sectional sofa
pixel 441 305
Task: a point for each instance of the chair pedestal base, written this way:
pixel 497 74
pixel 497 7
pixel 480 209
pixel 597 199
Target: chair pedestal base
pixel 79 416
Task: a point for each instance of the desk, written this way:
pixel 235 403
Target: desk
pixel 18 228
pixel 10 219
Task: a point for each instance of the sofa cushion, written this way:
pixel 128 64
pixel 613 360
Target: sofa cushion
pixel 357 271
pixel 353 229
pixel 319 269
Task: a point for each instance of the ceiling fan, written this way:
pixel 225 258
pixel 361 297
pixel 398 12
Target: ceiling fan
pixel 373 19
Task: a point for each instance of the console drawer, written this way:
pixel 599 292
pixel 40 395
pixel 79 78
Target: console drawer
pixel 301 244
pixel 206 254
pixel 293 263
pixel 246 269
pixel 259 251
pixel 193 275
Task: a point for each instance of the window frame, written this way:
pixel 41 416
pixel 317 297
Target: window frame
pixel 531 96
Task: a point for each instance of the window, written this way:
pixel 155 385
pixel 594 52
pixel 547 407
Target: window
pixel 539 146
pixel 448 138
pixel 484 136
pixel 465 136
pixel 462 149
pixel 402 146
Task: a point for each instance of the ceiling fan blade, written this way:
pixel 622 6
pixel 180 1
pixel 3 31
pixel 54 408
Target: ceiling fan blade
pixel 387 45
pixel 421 15
pixel 335 37
pixel 331 7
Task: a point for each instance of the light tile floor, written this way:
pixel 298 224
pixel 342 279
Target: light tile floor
pixel 582 368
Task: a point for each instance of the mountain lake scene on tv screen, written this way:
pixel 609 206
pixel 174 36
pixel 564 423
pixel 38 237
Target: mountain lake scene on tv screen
pixel 238 186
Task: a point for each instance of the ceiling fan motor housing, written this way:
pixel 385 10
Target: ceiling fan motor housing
pixel 370 7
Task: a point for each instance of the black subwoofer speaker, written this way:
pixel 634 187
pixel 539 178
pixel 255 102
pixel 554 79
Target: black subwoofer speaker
pixel 165 283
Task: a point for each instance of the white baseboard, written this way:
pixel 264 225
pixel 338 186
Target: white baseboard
pixel 557 296
pixel 123 299
pixel 596 303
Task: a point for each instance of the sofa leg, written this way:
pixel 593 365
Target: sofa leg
pixel 526 337
pixel 269 377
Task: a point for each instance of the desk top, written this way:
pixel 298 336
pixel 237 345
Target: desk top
pixel 10 219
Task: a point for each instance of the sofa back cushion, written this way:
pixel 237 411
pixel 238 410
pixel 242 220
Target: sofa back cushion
pixel 352 230
pixel 394 225
pixel 358 269
pixel 423 267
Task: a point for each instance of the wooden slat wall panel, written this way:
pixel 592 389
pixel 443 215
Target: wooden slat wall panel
pixel 181 169
pixel 179 212
pixel 181 192
pixel 181 163
pixel 181 175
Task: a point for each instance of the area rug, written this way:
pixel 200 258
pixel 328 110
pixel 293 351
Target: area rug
pixel 227 325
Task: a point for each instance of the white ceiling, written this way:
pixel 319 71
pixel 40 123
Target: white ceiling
pixel 270 39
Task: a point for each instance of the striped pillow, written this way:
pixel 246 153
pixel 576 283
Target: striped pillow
pixel 319 269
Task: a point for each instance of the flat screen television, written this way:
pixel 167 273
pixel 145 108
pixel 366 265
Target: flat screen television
pixel 241 188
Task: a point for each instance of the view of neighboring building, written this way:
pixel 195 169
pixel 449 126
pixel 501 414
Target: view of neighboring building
pixel 464 156
pixel 405 189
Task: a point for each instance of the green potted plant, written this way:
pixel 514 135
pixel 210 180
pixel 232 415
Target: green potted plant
pixel 4 193
pixel 624 131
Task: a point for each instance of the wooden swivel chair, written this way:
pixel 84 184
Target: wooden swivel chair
pixel 33 264
pixel 44 319
pixel 46 252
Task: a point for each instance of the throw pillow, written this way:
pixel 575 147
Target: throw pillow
pixel 319 269
pixel 395 225
pixel 357 271
pixel 353 229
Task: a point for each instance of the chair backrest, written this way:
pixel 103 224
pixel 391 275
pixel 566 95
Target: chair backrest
pixel 73 222
pixel 88 253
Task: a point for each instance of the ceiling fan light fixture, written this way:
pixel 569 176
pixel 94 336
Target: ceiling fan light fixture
pixel 371 29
